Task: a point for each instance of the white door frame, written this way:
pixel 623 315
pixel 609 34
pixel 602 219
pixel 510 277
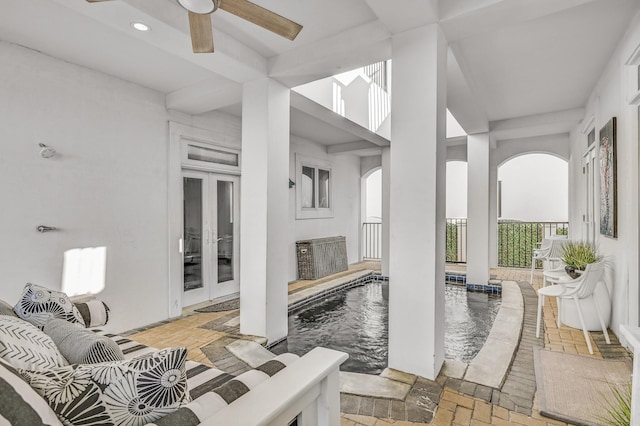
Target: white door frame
pixel 212 240
pixel 177 134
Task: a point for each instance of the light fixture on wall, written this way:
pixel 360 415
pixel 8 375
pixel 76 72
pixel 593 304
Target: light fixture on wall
pixel 291 184
pixel 46 151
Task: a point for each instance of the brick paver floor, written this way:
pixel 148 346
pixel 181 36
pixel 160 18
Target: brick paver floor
pixel 460 403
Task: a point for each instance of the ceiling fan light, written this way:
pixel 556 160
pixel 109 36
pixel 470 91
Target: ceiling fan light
pixel 198 6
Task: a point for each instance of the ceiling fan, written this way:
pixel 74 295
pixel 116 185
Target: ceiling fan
pixel 200 21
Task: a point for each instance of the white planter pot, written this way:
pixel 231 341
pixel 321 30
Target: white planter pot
pixel 569 313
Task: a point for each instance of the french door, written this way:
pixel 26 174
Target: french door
pixel 589 171
pixel 211 250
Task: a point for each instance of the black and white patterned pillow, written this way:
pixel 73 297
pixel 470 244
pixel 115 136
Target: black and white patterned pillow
pixel 20 405
pixel 81 346
pixel 24 346
pixel 39 304
pixel 132 393
pixel 95 313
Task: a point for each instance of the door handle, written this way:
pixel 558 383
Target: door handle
pixel 219 239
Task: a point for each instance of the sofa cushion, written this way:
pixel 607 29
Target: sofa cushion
pixel 132 392
pixel 20 405
pixel 95 313
pixel 39 304
pixel 6 309
pixel 81 346
pixel 210 403
pixel 24 346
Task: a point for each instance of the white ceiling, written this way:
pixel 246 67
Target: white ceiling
pixel 510 59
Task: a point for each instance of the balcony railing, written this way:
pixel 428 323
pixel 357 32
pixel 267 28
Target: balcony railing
pixel 517 240
pixel 456 240
pixel 371 240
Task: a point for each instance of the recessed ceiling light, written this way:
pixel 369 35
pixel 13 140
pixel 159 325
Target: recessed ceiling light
pixel 140 26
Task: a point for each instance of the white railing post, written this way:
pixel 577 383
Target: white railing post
pixel 632 334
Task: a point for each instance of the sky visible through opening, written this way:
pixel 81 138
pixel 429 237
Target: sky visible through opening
pixel 534 187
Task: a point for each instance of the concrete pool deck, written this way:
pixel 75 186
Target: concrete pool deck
pixel 446 401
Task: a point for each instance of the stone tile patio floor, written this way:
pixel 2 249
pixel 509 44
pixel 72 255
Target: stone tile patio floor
pixel 458 402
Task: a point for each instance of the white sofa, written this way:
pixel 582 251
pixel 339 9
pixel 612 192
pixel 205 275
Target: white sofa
pixel 281 391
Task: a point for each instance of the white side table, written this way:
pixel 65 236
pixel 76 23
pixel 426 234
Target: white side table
pixel 632 334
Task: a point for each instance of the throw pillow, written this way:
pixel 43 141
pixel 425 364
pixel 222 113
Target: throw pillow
pixel 81 346
pixel 197 411
pixel 94 312
pixel 6 309
pixel 20 405
pixel 24 346
pixel 39 304
pixel 132 393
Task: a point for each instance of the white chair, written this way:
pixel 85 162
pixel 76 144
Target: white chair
pixel 550 253
pixel 539 254
pixel 578 289
pixel 553 260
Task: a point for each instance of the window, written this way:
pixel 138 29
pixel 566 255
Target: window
pixel 209 157
pixel 313 188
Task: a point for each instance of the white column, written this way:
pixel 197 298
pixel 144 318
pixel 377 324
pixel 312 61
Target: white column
pixel 386 203
pixel 264 204
pixel 478 209
pixel 493 213
pixel 417 207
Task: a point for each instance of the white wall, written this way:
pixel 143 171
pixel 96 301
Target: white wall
pixel 106 187
pixel 346 202
pixel 609 99
pixel 108 184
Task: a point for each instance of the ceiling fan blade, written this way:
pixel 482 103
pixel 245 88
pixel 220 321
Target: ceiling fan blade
pixel 262 17
pixel 201 33
pixel 96 1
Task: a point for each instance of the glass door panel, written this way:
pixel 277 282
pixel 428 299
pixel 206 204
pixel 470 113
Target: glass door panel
pixel 193 230
pixel 225 239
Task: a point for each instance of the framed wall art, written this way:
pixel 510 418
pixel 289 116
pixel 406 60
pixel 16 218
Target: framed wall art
pixel 608 180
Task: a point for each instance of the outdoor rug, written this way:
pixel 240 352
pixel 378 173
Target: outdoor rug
pixel 576 389
pixel 228 305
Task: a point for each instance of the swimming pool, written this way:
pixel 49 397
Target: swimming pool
pixel 356 321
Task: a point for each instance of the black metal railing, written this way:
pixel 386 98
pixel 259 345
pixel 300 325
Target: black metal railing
pixel 517 240
pixel 371 240
pixel 456 240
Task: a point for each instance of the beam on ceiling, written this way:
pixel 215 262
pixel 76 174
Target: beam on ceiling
pixel 352 147
pixel 462 102
pixel 356 47
pixel 318 111
pixel 203 97
pixel 403 15
pixel 537 125
pixel 491 15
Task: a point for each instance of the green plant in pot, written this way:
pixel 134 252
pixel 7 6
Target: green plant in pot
pixel 577 255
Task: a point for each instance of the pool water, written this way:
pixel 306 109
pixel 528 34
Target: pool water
pixel 356 321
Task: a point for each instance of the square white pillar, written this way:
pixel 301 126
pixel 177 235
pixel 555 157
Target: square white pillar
pixel 493 213
pixel 264 209
pixel 417 202
pixel 386 203
pixel 478 149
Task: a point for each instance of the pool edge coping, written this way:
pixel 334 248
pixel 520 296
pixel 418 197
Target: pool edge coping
pixel 491 364
pixel 501 344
